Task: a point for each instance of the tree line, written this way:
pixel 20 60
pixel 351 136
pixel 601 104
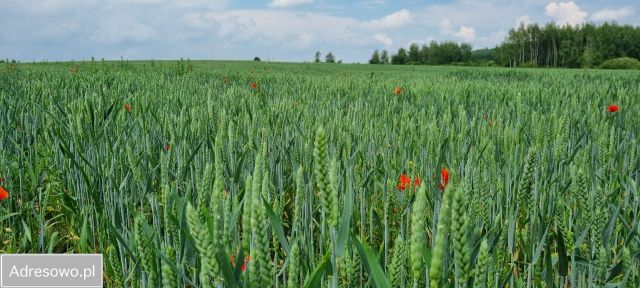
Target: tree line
pixel 329 58
pixel 587 45
pixel 433 54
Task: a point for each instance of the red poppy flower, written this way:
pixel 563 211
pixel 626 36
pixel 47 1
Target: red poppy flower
pixel 244 263
pixel 127 107
pixel 254 85
pixel 444 178
pixel 398 90
pixel 404 182
pixel 167 147
pixel 3 194
pixel 417 181
pixel 613 108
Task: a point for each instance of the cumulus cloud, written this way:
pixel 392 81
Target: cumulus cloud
pixel 216 29
pixel 123 30
pixel 267 27
pixel 566 13
pixel 445 26
pixel 610 15
pixel 394 20
pixel 384 39
pixel 466 34
pixel 288 3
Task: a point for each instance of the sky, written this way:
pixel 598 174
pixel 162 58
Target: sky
pixel 276 30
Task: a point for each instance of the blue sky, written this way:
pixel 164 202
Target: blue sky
pixel 279 30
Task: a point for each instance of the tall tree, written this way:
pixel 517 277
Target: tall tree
pixel 533 45
pixel 317 57
pixel 329 58
pixel 465 52
pixel 586 45
pixel 424 54
pixel 414 54
pixel 433 55
pixel 400 58
pixel 384 57
pixel 375 58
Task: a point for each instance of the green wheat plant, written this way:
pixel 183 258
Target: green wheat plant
pixel 185 174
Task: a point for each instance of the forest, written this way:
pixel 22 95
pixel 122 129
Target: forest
pixel 534 45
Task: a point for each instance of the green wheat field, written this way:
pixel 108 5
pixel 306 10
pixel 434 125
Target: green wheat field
pixel 253 174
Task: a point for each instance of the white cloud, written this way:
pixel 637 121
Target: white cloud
pixel 566 13
pixel 123 30
pixel 609 15
pixel 524 19
pixel 215 29
pixel 394 20
pixel 384 39
pixel 288 3
pixel 485 17
pixel 446 26
pixel 295 29
pixel 466 34
pixel 302 41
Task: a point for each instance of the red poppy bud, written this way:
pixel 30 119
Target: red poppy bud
pixel 444 178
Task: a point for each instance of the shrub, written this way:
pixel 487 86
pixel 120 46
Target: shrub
pixel 621 63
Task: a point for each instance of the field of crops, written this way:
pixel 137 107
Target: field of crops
pixel 232 174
